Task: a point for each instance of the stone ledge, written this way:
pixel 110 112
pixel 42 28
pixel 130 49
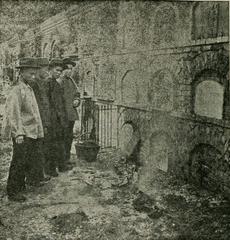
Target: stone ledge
pixel 208 41
pixel 202 119
pixel 161 51
pixel 190 117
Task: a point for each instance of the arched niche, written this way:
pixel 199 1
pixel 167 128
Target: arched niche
pixel 204 161
pixel 160 150
pixel 45 50
pixel 106 74
pixel 210 19
pixel 129 87
pixel 125 135
pixel 128 22
pixel 208 97
pixel 160 91
pixel 55 50
pixel 129 137
pixel 165 23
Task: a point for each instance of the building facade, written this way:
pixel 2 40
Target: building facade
pixel 165 64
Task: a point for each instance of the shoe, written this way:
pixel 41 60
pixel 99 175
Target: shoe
pixel 17 198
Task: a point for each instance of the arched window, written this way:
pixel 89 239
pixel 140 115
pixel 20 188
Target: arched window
pixel 129 87
pixel 209 96
pixel 210 20
pixel 45 52
pixel 165 24
pixel 55 50
pixel 130 24
pixel 223 19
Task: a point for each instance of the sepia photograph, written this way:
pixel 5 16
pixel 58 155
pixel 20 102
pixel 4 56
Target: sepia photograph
pixel 114 120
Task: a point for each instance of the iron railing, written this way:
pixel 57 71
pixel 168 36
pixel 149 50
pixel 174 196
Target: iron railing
pixel 104 119
pixel 99 118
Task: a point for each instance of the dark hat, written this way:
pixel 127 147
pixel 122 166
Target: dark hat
pixel 42 62
pixel 56 62
pixel 27 63
pixel 69 61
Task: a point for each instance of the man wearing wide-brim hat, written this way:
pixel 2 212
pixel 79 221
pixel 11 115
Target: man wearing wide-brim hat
pixel 22 123
pixel 40 88
pixel 69 63
pixel 57 157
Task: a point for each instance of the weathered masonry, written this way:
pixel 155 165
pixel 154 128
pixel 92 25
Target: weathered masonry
pixel 164 64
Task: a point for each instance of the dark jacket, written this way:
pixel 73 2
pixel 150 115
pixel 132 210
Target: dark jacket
pixel 59 120
pixel 70 93
pixel 41 91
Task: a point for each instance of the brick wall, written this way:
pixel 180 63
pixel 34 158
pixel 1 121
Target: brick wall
pixel 151 55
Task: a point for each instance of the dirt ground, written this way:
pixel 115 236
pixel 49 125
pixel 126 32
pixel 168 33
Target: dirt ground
pixel 93 202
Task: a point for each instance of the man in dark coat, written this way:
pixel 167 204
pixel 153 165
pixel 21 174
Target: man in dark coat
pixel 22 123
pixel 43 98
pixel 41 93
pixel 72 101
pixel 59 120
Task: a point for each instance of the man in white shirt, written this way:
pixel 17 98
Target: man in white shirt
pixel 22 123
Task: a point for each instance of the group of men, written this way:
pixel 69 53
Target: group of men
pixel 40 112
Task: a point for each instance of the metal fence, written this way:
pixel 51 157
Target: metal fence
pixel 99 122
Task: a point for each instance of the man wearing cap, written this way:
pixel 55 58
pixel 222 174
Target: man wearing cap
pixel 58 119
pixel 22 123
pixel 72 101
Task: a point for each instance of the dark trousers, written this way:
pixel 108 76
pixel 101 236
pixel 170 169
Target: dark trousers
pixel 25 164
pixel 54 151
pixel 49 153
pixel 41 160
pixel 69 138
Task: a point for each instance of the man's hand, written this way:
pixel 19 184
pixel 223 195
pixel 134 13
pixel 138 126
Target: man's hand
pixel 19 139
